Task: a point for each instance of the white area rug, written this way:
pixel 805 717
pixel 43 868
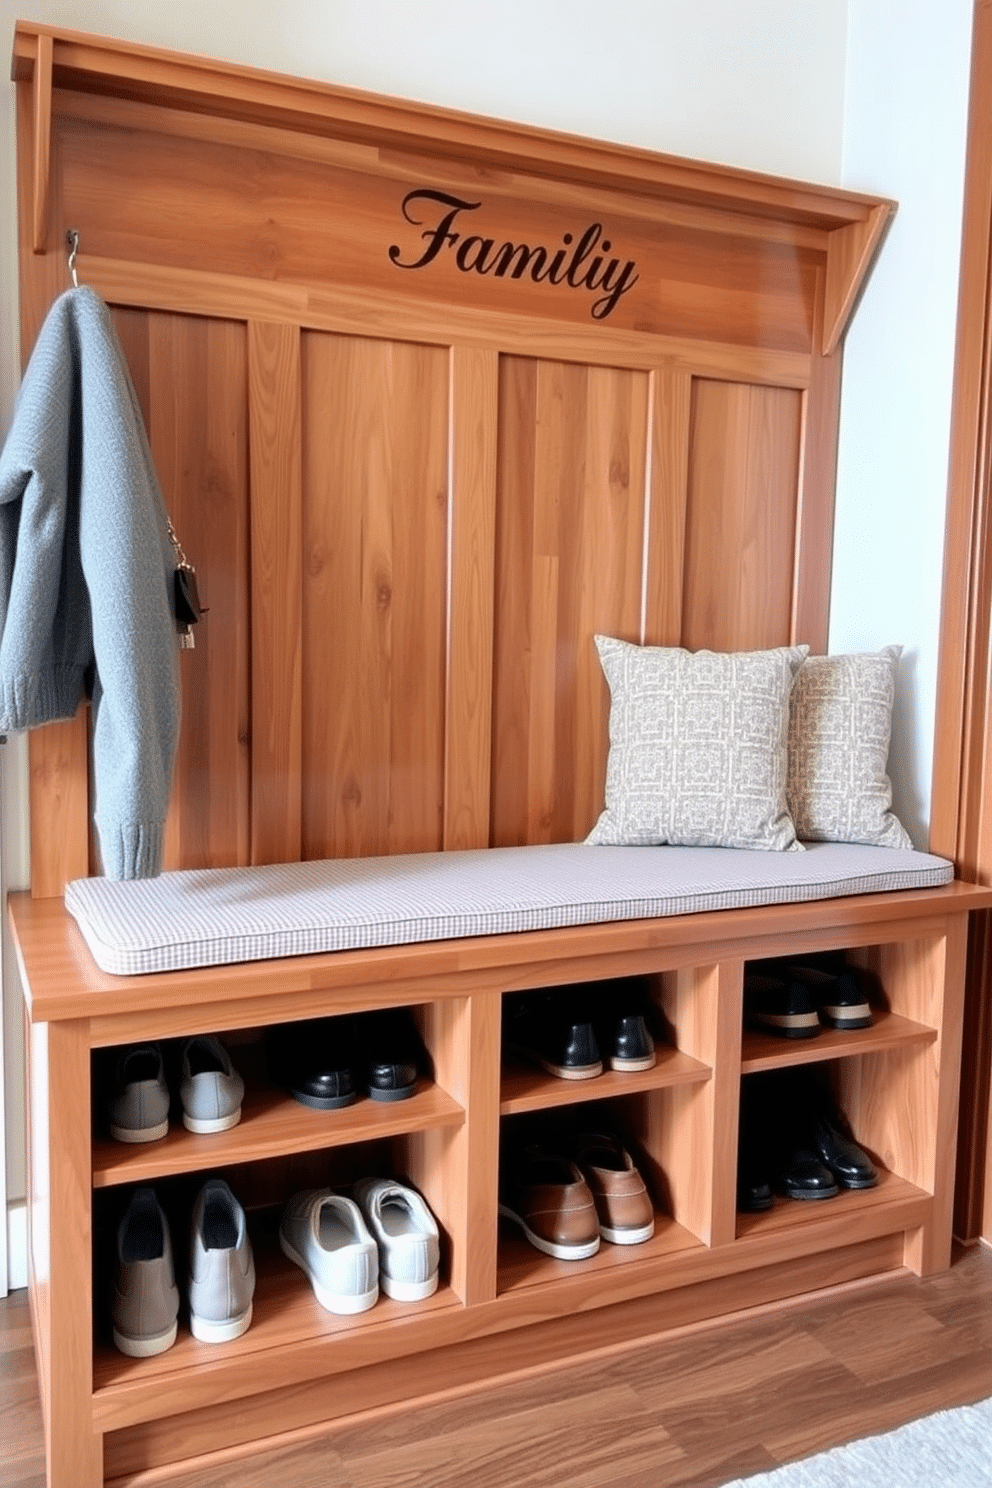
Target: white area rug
pixel 951 1449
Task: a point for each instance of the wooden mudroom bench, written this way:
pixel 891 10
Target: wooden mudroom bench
pixel 424 435
pixel 502 1306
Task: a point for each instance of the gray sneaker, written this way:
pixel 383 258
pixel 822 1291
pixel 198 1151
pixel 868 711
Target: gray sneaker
pixel 138 1109
pixel 221 1266
pixel 211 1090
pixel 144 1300
pixel 406 1233
pixel 325 1234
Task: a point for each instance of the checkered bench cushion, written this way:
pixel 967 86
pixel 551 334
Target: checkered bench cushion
pixel 209 917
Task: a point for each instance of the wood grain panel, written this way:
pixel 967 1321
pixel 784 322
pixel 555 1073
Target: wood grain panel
pixel 389 314
pixel 468 706
pixel 815 517
pixel 276 584
pixel 741 520
pixel 961 808
pixel 269 215
pixel 73 1449
pixel 694 1131
pixel 375 442
pixel 190 375
pixel 454 1167
pixel 668 477
pixel 569 542
pixel 42 88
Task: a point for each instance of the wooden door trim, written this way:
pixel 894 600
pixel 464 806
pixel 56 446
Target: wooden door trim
pixel 961 809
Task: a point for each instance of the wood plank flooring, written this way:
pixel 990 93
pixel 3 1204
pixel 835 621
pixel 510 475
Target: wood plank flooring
pixel 692 1410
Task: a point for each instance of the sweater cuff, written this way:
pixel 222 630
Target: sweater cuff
pixel 132 849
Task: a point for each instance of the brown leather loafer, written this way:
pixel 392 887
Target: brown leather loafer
pixel 549 1199
pixel 623 1205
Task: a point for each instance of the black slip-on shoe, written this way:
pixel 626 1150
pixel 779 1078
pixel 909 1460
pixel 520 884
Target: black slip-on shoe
pixel 849 1163
pixel 782 1005
pixel 804 1176
pixel 390 1054
pixel 754 1186
pixel 631 1046
pixel 840 990
pixel 555 1031
pixel 315 1061
pixel 844 1003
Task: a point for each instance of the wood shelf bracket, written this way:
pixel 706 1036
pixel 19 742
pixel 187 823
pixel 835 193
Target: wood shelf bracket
pixel 42 90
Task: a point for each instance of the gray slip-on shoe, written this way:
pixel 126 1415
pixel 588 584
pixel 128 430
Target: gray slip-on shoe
pixel 138 1108
pixel 221 1266
pixel 144 1300
pixel 406 1234
pixel 324 1233
pixel 211 1090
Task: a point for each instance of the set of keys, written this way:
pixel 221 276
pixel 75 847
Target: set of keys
pixel 187 596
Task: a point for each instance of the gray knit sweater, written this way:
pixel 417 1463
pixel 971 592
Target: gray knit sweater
pixel 86 576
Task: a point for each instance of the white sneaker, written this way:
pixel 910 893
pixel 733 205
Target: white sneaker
pixel 406 1233
pixel 212 1090
pixel 221 1266
pixel 324 1233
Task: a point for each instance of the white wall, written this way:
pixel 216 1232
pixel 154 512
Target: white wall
pixel 904 136
pixel 753 83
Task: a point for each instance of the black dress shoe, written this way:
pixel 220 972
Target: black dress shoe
pixel 755 1146
pixel 840 999
pixel 849 1163
pixel 631 1046
pixel 621 1025
pixel 754 1187
pixel 390 1054
pixel 804 1176
pixel 315 1061
pixel 555 1030
pixel 782 1005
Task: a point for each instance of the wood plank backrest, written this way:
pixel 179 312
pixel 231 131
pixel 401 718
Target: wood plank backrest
pixel 433 399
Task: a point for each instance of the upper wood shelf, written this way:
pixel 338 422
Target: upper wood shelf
pixel 525 1087
pixel 763 1051
pixel 272 1125
pixel 49 59
pixel 176 80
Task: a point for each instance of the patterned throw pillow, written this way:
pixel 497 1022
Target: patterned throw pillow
pixel 839 729
pixel 698 746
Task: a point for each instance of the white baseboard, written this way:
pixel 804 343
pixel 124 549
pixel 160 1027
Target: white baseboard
pixel 17 1245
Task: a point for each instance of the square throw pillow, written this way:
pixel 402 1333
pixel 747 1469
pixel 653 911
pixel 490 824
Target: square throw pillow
pixel 839 729
pixel 698 746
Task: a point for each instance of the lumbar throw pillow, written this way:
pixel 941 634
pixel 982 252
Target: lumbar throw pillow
pixel 698 746
pixel 839 729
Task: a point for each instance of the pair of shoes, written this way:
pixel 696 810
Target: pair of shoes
pixel 827 1161
pixel 795 1000
pixel 558 1031
pixel 210 1090
pixel 566 1204
pixel 793 1139
pixel 840 990
pixel 144 1304
pixel 324 1062
pixel 349 1246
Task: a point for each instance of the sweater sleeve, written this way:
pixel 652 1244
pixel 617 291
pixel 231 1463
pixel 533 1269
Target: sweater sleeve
pixel 128 564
